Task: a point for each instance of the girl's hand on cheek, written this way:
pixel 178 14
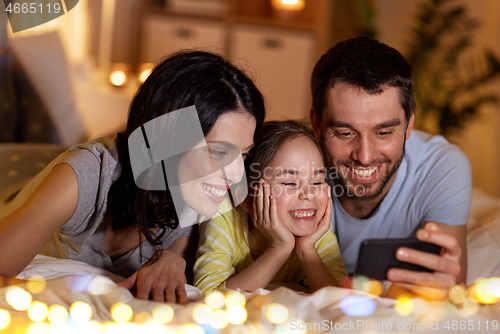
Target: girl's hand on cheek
pixel 266 220
pixel 306 243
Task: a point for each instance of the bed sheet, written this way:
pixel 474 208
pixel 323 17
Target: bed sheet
pixel 279 311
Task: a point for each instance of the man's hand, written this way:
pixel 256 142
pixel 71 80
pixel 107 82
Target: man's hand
pixel 161 278
pixel 446 267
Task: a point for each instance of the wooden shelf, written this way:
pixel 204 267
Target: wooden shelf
pixel 275 23
pixel 157 10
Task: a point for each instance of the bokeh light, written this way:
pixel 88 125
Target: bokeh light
pixel 39 328
pixel 485 291
pixel 457 294
pixel 470 307
pixel 236 315
pixel 202 314
pixel 38 311
pixel 118 78
pixel 80 312
pixel 36 284
pixel 57 314
pixel 191 329
pixel 215 300
pixel 18 298
pixel 358 306
pixel 404 305
pixel 121 313
pixel 277 313
pixel 163 314
pixel 235 299
pixel 4 319
pixel 60 329
pixel 219 319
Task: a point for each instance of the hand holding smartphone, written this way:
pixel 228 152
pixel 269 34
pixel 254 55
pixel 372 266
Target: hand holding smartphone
pixel 377 256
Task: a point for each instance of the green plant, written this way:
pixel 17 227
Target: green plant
pixel 451 79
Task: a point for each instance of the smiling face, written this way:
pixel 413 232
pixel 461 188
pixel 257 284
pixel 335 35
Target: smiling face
pixel 363 137
pixel 203 182
pixel 297 179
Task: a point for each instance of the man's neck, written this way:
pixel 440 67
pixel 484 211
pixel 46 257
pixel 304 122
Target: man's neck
pixel 363 209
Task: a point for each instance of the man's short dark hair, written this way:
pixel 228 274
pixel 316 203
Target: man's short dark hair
pixel 364 63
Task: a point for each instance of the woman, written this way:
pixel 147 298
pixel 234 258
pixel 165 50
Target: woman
pixel 86 206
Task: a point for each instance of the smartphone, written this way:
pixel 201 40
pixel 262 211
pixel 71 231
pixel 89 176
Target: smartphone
pixel 377 256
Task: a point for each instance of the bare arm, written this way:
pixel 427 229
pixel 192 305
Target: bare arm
pixel 26 230
pixel 261 272
pixel 316 271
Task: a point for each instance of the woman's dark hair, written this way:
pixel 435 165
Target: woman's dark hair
pixel 207 81
pixel 269 139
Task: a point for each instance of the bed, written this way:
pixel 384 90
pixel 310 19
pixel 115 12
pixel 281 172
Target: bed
pixel 73 288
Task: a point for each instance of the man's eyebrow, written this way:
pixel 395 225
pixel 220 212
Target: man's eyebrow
pixel 338 124
pixel 389 124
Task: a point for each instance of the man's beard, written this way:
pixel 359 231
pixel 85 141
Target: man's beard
pixel 339 180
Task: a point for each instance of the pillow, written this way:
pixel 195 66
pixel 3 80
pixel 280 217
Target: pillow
pixel 20 162
pixel 44 60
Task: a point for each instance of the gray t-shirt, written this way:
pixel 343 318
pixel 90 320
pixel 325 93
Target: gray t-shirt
pixel 82 237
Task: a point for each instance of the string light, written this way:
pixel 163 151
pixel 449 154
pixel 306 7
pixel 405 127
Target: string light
pixel 121 313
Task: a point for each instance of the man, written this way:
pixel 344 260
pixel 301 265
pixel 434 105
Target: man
pixel 389 181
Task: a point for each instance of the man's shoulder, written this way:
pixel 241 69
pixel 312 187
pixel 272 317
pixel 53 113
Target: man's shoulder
pixel 426 149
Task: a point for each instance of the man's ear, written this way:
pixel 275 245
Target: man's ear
pixel 409 128
pixel 315 123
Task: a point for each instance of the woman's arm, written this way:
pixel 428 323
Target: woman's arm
pixel 24 232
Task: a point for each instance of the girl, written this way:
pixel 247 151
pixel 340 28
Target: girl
pixel 284 234
pixel 86 206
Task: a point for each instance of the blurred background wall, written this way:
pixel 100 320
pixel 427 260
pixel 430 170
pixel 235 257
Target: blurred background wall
pixel 277 46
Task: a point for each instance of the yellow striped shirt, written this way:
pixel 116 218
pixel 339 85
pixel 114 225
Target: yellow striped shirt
pixel 223 252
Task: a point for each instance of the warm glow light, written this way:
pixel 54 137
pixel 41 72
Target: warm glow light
pixel 236 315
pixel 191 329
pixel 36 284
pixel 144 75
pixel 235 299
pixel 202 314
pixel 163 314
pixel 4 319
pixel 219 319
pixel 19 299
pixel 470 306
pixel 38 311
pixel 277 313
pixel 118 78
pixel 404 305
pixel 39 328
pixel 215 300
pixel 291 5
pixel 80 312
pixel 121 313
pixel 373 287
pixel 60 329
pixel 58 314
pixel 485 291
pixel 457 294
